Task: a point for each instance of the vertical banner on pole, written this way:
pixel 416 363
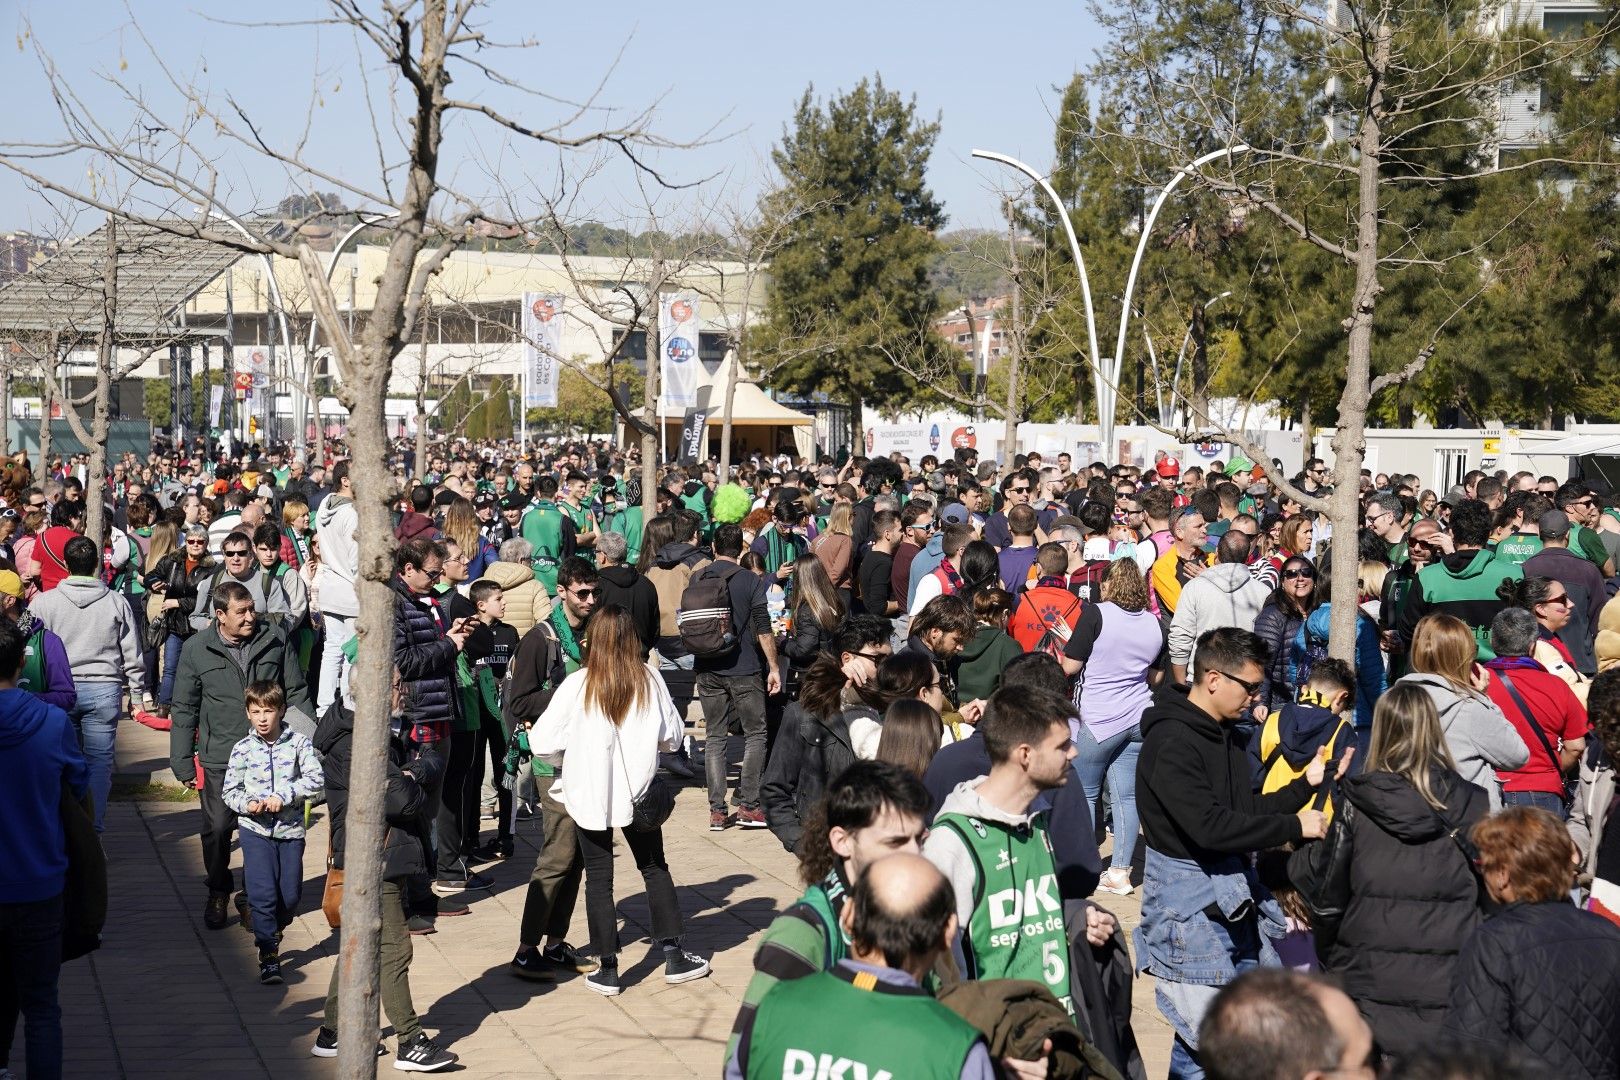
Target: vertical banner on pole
pixel 692 429
pixel 216 401
pixel 678 332
pixel 184 380
pixel 174 394
pixel 542 341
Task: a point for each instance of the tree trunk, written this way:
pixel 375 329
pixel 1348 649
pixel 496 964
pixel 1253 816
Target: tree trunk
pixel 95 504
pixel 650 393
pixel 45 420
pixel 421 398
pixel 5 405
pixel 1200 367
pixel 1349 439
pixel 1015 351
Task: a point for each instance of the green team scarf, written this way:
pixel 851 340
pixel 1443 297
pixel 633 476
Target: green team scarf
pixel 565 638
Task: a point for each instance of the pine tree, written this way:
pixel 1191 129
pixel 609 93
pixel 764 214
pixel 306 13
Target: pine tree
pixel 851 277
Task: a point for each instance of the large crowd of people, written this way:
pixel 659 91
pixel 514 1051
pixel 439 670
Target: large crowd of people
pixel 953 685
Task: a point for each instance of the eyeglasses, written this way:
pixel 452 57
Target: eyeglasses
pixel 1253 688
pixel 433 575
pixel 1292 575
pixel 1372 520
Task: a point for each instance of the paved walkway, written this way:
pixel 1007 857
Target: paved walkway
pixel 165 996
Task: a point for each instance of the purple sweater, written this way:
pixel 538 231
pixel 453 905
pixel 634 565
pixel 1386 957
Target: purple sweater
pixel 58 689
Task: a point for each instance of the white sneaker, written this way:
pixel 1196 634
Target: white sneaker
pixel 1117 882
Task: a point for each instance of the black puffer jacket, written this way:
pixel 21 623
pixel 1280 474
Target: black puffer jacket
pixel 404 799
pixel 1278 625
pixel 427 663
pixel 1408 897
pixel 169 577
pixel 810 752
pixel 1542 982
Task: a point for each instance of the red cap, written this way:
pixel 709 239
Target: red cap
pixel 1169 467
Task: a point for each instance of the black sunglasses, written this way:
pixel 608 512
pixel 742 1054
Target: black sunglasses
pixel 1253 688
pixel 1295 574
pixel 237 554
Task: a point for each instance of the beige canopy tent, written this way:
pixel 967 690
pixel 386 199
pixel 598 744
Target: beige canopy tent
pixel 757 424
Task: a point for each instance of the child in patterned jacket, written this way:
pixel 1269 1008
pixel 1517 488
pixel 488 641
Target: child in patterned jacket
pixel 270 774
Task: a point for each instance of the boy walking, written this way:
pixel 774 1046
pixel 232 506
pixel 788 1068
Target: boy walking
pixel 270 774
pixel 489 649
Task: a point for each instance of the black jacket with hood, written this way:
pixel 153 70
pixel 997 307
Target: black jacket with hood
pixel 809 754
pixel 626 587
pixel 405 800
pixel 1409 899
pixel 1194 791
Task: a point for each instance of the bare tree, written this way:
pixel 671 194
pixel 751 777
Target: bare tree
pixel 423 46
pixel 1393 71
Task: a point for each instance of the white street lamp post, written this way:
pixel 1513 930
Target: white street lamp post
pixel 1102 369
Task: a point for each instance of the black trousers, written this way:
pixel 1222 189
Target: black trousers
pixel 647 848
pixel 218 826
pixel 489 753
pixel 450 820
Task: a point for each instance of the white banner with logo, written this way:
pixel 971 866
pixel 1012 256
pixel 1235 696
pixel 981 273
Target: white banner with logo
pixel 252 363
pixel 678 339
pixel 216 401
pixel 542 338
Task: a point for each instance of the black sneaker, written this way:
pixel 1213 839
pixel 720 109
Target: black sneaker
pixel 564 957
pixel 605 981
pixel 450 906
pixel 270 969
pixel 530 964
pixel 682 967
pixel 678 764
pixel 214 911
pixel 457 883
pixel 326 1044
pixel 497 850
pixel 422 1054
pixel 420 924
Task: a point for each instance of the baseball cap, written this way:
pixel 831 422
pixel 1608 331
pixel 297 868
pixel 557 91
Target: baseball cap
pixel 10 584
pixel 955 514
pixel 515 501
pixel 1169 467
pixel 485 498
pixel 1455 496
pixel 1553 525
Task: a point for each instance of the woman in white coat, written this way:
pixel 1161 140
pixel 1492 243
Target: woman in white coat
pixel 610 719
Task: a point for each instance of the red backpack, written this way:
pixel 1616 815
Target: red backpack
pixel 1044 619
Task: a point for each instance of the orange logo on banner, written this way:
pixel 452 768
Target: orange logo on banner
pixel 543 310
pixel 244 380
pixel 963 438
pixel 680 310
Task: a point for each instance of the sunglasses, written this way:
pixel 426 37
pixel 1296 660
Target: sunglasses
pixel 234 554
pixel 1292 575
pixel 582 594
pixel 1562 601
pixel 1253 688
pixel 1019 490
pixel 198 540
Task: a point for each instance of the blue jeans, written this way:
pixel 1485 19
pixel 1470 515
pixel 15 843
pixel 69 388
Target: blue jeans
pixel 1546 800
pixel 1115 758
pixel 171 664
pixel 95 717
pixel 1241 939
pixel 30 961
pixel 273 877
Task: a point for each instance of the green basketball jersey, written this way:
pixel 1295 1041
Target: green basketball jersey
pixel 1515 548
pixel 847 1023
pixel 1016 930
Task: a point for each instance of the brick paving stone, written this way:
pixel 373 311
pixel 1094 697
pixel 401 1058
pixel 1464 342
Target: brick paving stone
pixel 166 996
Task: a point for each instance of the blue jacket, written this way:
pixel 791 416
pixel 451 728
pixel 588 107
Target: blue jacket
pixel 1371 681
pixel 926 562
pixel 39 752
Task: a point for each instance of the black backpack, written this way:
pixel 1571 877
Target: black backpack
pixel 704 619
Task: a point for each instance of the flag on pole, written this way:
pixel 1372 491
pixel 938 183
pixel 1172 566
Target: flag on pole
pixel 678 333
pixel 542 340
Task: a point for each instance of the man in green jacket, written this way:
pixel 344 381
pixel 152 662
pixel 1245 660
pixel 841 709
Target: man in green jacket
pixel 1465 583
pixel 869 1015
pixel 549 531
pixel 208 717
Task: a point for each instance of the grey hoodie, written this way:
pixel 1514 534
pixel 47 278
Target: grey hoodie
pixel 1226 594
pixel 944 848
pixel 97 630
pixel 337 524
pixel 1477 734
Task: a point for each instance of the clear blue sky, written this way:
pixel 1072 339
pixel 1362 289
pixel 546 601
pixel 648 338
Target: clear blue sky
pixel 988 71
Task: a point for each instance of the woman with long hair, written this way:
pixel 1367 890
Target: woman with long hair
pixel 1279 622
pixel 911 735
pixel 175 579
pixel 610 719
pixel 1118 646
pixel 906 675
pixel 815 612
pixel 835 548
pixel 461 525
pixel 1480 738
pixel 1549 601
pixel 163 542
pixel 1391 894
